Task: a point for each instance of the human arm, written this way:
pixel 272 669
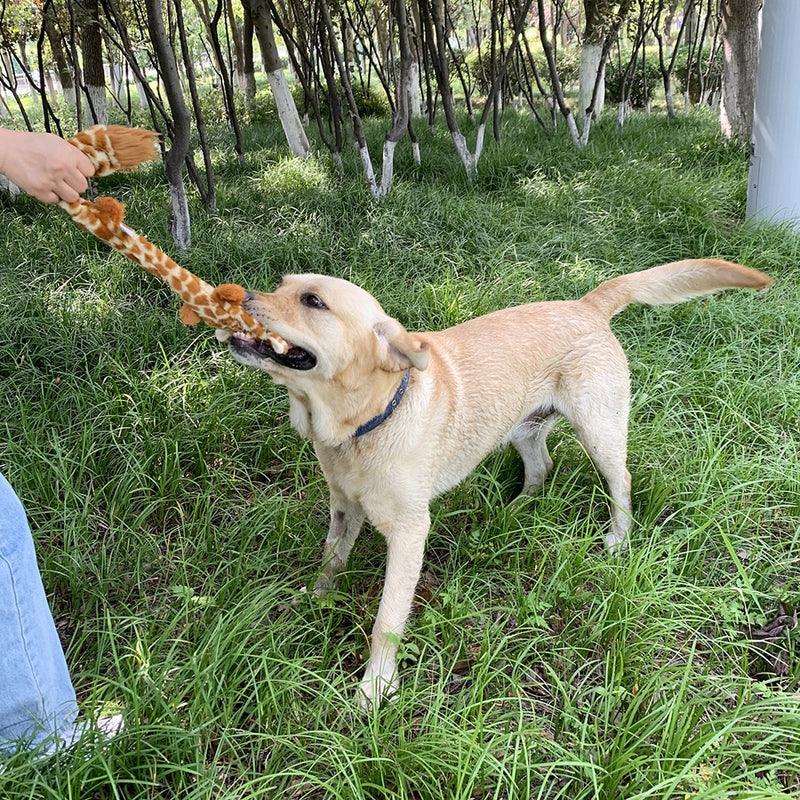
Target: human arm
pixel 44 165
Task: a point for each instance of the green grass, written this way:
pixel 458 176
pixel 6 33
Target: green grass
pixel 177 516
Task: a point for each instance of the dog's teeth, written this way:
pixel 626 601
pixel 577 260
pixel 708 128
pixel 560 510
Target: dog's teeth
pixel 279 345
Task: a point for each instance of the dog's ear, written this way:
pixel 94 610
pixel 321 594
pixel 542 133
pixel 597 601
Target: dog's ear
pixel 398 348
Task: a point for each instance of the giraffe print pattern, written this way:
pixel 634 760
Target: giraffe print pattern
pixel 114 148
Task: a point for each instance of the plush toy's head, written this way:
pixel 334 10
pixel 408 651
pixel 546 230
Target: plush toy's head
pixel 115 148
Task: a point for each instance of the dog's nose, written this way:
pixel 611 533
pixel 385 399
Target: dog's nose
pixel 247 296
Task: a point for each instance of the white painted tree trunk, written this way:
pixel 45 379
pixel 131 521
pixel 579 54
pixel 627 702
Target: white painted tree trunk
pixel 469 160
pixel 69 97
pixel 387 168
pixel 414 93
pixel 116 77
pixel 97 111
pixel 379 190
pixel 591 56
pixel 52 90
pixel 622 110
pixel 140 90
pixel 8 186
pixel 287 111
pixel 180 224
pixel 369 172
pixel 669 101
pixel 572 126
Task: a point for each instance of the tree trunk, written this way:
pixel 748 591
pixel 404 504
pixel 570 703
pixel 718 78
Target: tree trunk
pixel 740 62
pixel 591 62
pixel 140 90
pixel 206 188
pixel 287 110
pixel 10 83
pixel 414 90
pixel 93 72
pixel 667 68
pixel 65 75
pixel 591 57
pixel 436 21
pixel 247 59
pixel 603 21
pixel 415 99
pixel 180 225
pixel 211 23
pixel 358 130
pixel 238 47
pixel 22 59
pixel 402 110
pixel 558 92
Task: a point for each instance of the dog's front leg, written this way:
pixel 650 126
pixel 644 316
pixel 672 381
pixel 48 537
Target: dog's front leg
pixel 347 518
pixel 405 550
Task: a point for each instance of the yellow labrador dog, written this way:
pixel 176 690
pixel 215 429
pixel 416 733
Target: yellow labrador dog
pixel 398 417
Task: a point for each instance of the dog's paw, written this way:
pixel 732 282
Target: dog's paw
pixel 323 585
pixel 374 689
pixel 617 546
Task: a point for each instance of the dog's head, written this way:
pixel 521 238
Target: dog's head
pixel 334 331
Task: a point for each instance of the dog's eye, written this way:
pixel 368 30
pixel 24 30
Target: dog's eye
pixel 313 301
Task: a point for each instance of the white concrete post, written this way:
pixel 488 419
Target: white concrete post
pixel 773 191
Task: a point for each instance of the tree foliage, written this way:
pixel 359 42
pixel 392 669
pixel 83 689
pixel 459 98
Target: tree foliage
pixel 337 61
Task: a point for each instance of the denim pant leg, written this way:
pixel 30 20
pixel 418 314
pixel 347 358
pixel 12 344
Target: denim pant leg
pixel 37 700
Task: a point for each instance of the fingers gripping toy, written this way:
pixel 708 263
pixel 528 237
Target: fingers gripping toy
pixel 116 148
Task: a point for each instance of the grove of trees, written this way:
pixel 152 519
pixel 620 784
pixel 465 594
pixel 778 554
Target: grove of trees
pixel 178 65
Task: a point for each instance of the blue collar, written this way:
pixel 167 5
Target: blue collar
pixel 370 425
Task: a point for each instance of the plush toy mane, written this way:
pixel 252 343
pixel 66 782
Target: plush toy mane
pixel 114 148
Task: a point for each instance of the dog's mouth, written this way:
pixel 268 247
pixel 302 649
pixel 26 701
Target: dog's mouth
pixel 292 356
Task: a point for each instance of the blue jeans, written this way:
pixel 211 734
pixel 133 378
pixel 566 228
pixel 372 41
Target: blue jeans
pixel 37 701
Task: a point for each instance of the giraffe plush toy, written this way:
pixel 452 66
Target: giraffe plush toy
pixel 114 148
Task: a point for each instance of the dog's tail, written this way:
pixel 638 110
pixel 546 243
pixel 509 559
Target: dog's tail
pixel 673 283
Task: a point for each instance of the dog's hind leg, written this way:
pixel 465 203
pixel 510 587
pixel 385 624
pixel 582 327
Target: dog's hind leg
pixel 604 434
pixel 530 441
pixel 346 521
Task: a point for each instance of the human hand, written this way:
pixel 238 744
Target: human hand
pixel 44 165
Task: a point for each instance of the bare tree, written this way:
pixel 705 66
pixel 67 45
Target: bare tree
pixel 248 64
pixel 597 12
pixel 234 35
pixel 626 75
pixel 579 138
pixel 53 33
pixel 287 110
pixel 667 64
pixel 93 70
pixel 433 14
pixel 211 22
pixel 400 117
pixel 180 224
pixel 603 19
